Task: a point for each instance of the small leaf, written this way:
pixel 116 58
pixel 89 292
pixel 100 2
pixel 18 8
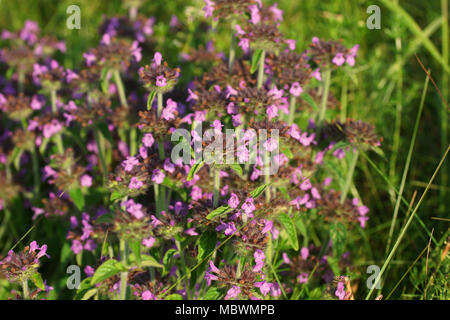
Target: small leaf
pixel 106 270
pixel 194 169
pixel 77 197
pixel 212 294
pixel 116 196
pixel 149 261
pixel 37 280
pixel 104 80
pixel 105 218
pixel 258 191
pixel 338 236
pixel 287 152
pixel 236 167
pixel 219 211
pixel 206 244
pixel 174 296
pixel 255 60
pixel 136 248
pixel 291 231
pixel 89 294
pixel 166 259
pixel 305 96
pixel 151 97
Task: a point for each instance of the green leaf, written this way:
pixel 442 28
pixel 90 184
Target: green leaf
pixel 105 218
pixel 106 270
pixel 212 294
pixel 116 196
pixel 37 280
pixel 77 197
pixel 338 236
pixel 103 128
pixel 206 244
pixel 259 190
pixel 166 259
pixel 287 152
pixel 334 265
pixel 255 60
pixel 174 296
pixel 136 249
pixel 236 167
pixel 305 96
pixel 104 80
pixel 151 97
pixel 219 211
pixel 89 294
pixel 149 261
pixel 291 231
pixel 194 169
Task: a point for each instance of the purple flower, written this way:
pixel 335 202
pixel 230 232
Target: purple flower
pixel 86 180
pixel 233 292
pixel 147 295
pixel 158 176
pixel 157 58
pixel 161 81
pixel 339 59
pixel 135 183
pixel 233 202
pixel 148 140
pixel 148 242
pixel 135 209
pixel 340 291
pixel 89 271
pixel 129 163
pixel 296 89
pixel 248 206
pixel 304 253
pixel 77 246
pixel 264 287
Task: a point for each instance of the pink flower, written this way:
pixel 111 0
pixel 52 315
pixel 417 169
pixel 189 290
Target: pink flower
pixel 339 59
pixel 77 246
pixel 340 291
pixel 316 74
pixel 244 43
pixel 86 180
pixel 148 242
pixel 158 176
pixel 264 287
pixel 304 253
pixel 233 292
pixel 248 206
pixel 135 183
pixel 233 202
pixel 157 58
pixel 129 163
pixel 147 295
pixel 296 89
pixel 209 8
pixel 161 81
pixel 148 140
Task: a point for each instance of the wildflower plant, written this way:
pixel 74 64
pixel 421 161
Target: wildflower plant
pixel 232 181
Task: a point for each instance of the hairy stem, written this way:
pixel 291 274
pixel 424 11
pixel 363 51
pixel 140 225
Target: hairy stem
pixel 261 70
pixel 349 179
pixel 100 148
pixel 216 186
pixel 292 102
pixel 25 289
pixel 123 275
pixel 57 137
pixel 326 90
pixel 232 47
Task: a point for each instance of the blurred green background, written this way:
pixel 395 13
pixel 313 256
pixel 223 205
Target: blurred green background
pixel 384 88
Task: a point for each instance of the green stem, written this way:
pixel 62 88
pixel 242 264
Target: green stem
pixel 267 175
pixel 344 100
pixel 123 275
pixel 407 164
pixel 100 152
pixel 216 186
pixel 160 104
pixel 348 180
pixel 261 70
pixel 326 90
pixel 444 110
pixel 25 289
pixel 36 177
pixel 120 88
pixel 185 270
pixel 58 138
pixel 21 79
pixel 232 47
pixel 403 231
pixel 292 102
